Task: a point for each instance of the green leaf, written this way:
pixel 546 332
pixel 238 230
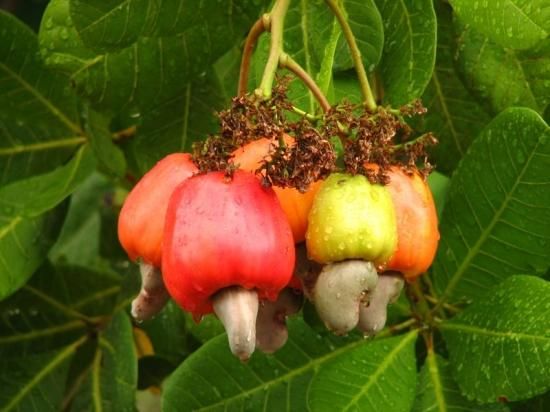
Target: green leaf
pixel 439 186
pixel 367 377
pixel 150 70
pixel 538 404
pixel 174 124
pixel 496 221
pixel 60 46
pixel 438 392
pixel 208 328
pixel 409 48
pixel 502 76
pixel 54 308
pixel 112 381
pixel 519 24
pixel 366 24
pixel 36 195
pixel 507 336
pixel 276 382
pixel 454 116
pixel 78 243
pixel 168 333
pixel 298 33
pixel 35 380
pixel 346 87
pixel 109 155
pixel 116 25
pixel 24 244
pixel 38 122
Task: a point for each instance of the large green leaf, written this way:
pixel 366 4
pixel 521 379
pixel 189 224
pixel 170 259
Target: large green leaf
pixel 496 221
pixel 112 380
pixel 438 392
pixel 519 24
pixel 279 382
pixel 506 336
pixel 298 32
pixel 150 70
pixel 36 195
pixel 367 377
pixel 366 25
pixel 502 76
pixel 54 308
pixel 439 186
pixel 115 25
pixel 174 124
pixel 453 115
pixel 24 244
pixel 36 380
pixel 38 122
pixel 409 48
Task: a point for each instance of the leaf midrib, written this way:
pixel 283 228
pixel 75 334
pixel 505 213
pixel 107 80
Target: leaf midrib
pixel 462 327
pixel 381 368
pixel 53 109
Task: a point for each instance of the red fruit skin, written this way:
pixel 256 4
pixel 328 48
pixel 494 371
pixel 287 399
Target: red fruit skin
pixel 141 219
pixel 417 232
pixel 222 233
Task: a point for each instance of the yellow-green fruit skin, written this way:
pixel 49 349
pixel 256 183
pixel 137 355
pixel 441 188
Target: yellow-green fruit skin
pixel 351 218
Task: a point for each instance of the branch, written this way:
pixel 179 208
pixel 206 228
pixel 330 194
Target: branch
pixel 289 63
pixel 255 32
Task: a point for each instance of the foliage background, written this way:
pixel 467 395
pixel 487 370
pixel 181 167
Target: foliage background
pixel 102 90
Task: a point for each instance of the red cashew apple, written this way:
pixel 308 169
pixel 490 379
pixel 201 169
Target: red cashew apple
pixel 227 243
pixel 141 225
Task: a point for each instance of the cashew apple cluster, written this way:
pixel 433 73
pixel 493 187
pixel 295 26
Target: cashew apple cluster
pixel 232 246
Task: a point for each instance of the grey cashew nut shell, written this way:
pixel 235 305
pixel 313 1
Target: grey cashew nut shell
pixel 341 289
pixel 372 318
pixel 153 295
pixel 237 309
pixel 271 330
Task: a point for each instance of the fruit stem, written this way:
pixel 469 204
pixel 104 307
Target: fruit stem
pixel 287 62
pixel 261 25
pixel 276 23
pixel 366 91
pixel 305 114
pixel 419 304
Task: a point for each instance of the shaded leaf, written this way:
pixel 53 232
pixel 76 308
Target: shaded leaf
pixel 107 153
pixel 36 195
pixel 168 334
pixel 438 392
pixel 38 122
pixel 502 76
pixel 54 308
pixel 439 186
pixel 116 25
pixel 519 24
pixel 409 48
pixel 78 243
pixel 35 380
pixel 496 221
pixel 507 335
pixel 24 244
pixel 454 116
pixel 367 378
pixel 174 124
pixel 112 381
pixel 346 87
pixel 277 382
